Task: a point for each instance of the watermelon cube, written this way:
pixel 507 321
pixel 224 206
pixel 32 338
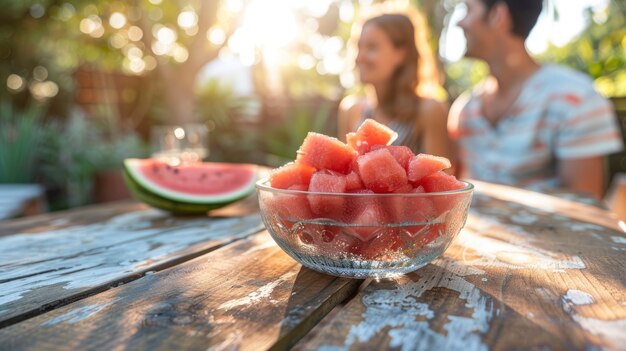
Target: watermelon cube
pixel 324 152
pixel 327 205
pixel 375 133
pixel 380 171
pixel 440 181
pixel 414 209
pixel 291 174
pixel 353 181
pixel 358 143
pixel 384 245
pixel 366 213
pixel 423 165
pixel 328 240
pixel 402 154
pixel 290 208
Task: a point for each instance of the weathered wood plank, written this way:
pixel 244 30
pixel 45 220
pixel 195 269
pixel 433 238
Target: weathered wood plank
pixel 248 295
pixel 517 277
pixel 62 258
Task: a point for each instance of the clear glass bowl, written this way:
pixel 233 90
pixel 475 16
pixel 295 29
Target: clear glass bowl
pixel 361 235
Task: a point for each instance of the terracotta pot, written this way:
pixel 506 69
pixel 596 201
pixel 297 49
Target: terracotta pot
pixel 109 186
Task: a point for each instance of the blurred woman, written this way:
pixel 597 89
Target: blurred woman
pixel 397 68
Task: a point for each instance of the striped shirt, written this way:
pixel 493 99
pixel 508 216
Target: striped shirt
pixel 558 115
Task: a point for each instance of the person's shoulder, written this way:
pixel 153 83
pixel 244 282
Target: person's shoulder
pixel 557 79
pixel 433 105
pixel 352 104
pixel 432 111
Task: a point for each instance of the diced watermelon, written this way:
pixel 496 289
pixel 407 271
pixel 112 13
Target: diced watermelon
pixel 327 205
pixel 357 143
pixel 423 165
pixel 411 208
pixel 440 181
pixel 299 187
pixel 329 240
pixel 291 174
pixel 380 171
pixel 367 212
pixel 428 234
pixel 324 152
pixel 402 154
pixel 375 133
pixel 291 208
pixel 385 244
pixel 353 181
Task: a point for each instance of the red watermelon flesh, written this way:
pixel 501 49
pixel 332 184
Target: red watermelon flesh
pixel 409 208
pixel 380 171
pixel 291 208
pixel 367 212
pixel 440 182
pixel 200 182
pixel 324 152
pixel 357 143
pixel 402 154
pixel 327 205
pixel 423 165
pixel 385 244
pixel 291 174
pixel 329 240
pixel 375 133
pixel 353 181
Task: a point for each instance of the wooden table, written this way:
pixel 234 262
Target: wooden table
pixel 529 271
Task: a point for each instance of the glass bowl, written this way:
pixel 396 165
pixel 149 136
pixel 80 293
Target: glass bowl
pixel 359 235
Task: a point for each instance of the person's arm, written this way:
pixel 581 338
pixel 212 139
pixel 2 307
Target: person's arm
pixel 349 114
pixel 584 175
pixel 587 132
pixel 434 120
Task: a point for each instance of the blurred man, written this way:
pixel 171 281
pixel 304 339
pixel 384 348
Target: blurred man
pixel 528 125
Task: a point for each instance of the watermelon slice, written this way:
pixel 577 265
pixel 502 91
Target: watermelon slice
pixel 187 189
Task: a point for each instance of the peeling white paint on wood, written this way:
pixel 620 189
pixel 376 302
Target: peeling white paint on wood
pixel 612 331
pixel 89 255
pixel 618 239
pixel 78 314
pixel 524 217
pixel 584 227
pixel 398 310
pixel 578 297
pixel 512 254
pixel 261 294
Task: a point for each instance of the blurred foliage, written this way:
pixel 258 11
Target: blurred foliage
pixel 231 137
pixel 77 149
pixel 284 136
pixel 599 51
pixel 21 136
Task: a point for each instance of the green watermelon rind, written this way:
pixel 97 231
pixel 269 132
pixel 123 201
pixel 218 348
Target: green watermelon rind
pixel 173 196
pixel 175 207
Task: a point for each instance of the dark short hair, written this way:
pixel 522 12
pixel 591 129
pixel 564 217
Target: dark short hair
pixel 524 14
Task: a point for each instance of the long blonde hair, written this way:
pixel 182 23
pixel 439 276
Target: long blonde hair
pixel 417 76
